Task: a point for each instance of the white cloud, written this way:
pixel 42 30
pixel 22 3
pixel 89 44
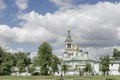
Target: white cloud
pixel 2 5
pixel 92 26
pixel 20 50
pixel 97 52
pixel 33 55
pixel 8 49
pixel 63 4
pixel 22 4
pixel 6 34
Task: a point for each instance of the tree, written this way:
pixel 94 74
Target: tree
pixel 88 68
pixel 64 68
pixel 119 68
pixel 45 58
pixel 22 61
pixel 35 62
pixel 5 68
pixel 1 54
pixel 31 68
pixel 6 62
pixel 54 64
pixel 10 60
pixel 104 64
pixel 116 54
pixel 81 71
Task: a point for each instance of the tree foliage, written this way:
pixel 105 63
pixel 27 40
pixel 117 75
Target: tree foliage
pixel 116 54
pixel 64 68
pixel 22 61
pixel 54 64
pixel 10 60
pixel 1 55
pixel 6 62
pixel 88 68
pixel 44 58
pixel 104 64
pixel 119 68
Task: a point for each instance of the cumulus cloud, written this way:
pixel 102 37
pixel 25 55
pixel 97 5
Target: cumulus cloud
pixel 5 30
pixel 2 5
pixel 22 4
pixel 95 27
pixel 63 4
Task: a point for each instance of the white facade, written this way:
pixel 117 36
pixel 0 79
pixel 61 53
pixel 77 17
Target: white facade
pixel 114 68
pixel 16 72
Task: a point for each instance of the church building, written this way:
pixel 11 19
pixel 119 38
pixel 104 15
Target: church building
pixel 76 59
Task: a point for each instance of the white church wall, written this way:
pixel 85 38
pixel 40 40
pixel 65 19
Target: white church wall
pixel 114 66
pixel 96 68
pixel 80 53
pixel 114 69
pixel 114 72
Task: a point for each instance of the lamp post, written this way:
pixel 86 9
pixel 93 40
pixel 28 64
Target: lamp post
pixel 60 68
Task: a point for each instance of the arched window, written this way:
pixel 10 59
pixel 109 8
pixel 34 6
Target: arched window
pixel 69 45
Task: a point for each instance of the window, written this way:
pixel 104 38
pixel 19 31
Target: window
pixel 111 64
pixel 69 45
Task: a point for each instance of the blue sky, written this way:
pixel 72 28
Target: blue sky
pixel 25 24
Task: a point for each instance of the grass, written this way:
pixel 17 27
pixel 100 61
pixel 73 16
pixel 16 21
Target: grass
pixel 57 77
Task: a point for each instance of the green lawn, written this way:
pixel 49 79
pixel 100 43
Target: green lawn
pixel 57 77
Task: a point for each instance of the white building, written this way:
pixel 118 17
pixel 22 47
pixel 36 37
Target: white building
pixel 16 72
pixel 76 59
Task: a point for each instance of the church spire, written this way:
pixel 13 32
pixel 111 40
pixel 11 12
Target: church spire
pixel 68 37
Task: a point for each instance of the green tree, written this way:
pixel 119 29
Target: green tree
pixel 45 58
pixel 119 68
pixel 9 60
pixel 64 68
pixel 104 64
pixel 6 62
pixel 22 61
pixel 54 64
pixel 116 54
pixel 31 68
pixel 35 62
pixel 5 69
pixel 1 54
pixel 21 66
pixel 88 68
pixel 81 71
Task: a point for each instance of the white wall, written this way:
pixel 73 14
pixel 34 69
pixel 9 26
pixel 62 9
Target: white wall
pixel 114 69
pixel 96 68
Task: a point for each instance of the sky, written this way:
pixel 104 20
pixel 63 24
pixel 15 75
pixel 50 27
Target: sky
pixel 94 25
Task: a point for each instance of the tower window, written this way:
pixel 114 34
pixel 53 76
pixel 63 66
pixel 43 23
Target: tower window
pixel 69 45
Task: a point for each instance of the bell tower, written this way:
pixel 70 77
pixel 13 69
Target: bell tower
pixel 68 45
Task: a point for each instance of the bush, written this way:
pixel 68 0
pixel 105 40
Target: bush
pixel 35 73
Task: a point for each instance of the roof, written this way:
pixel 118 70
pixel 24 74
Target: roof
pixel 75 48
pixel 77 58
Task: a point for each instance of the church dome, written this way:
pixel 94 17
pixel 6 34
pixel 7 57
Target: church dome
pixel 75 48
